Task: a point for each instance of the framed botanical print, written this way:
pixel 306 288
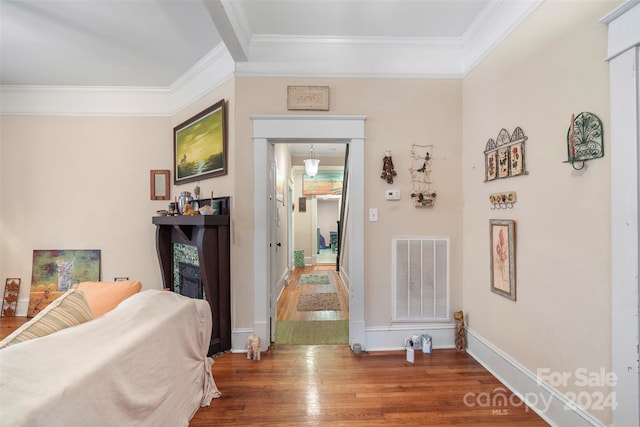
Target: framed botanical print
pixel 503 257
pixel 503 162
pixel 491 166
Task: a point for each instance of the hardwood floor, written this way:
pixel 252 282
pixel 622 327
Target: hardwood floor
pixel 286 309
pixel 330 386
pixel 301 385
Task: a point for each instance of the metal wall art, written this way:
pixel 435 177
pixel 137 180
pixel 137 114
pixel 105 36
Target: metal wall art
pixel 502 200
pixel 10 301
pixel 421 158
pixel 505 157
pixel 585 139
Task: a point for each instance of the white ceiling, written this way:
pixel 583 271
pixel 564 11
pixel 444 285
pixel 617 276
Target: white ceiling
pixel 156 57
pixel 154 43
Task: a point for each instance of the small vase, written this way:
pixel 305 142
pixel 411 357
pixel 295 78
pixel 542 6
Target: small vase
pixel 184 198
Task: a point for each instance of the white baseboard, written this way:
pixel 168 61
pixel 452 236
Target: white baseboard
pixel 392 337
pixel 541 397
pixel 22 307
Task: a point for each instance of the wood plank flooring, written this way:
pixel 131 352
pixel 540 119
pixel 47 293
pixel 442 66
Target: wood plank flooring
pixel 295 385
pixel 286 308
pixel 298 385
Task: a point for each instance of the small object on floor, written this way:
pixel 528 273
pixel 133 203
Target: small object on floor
pixel 460 341
pixel 410 355
pixel 253 347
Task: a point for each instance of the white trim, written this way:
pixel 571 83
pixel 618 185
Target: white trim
pixel 497 21
pixel 211 71
pixel 544 399
pixel 267 129
pixel 278 56
pixel 388 338
pixel 624 52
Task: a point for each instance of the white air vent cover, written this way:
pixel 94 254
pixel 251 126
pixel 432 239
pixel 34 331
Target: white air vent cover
pixel 420 279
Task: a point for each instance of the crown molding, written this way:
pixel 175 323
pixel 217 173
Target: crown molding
pixel 496 21
pixel 210 72
pixel 283 56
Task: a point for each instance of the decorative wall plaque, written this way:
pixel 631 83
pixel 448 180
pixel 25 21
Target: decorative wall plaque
pixel 314 98
pixel 505 157
pixel 585 139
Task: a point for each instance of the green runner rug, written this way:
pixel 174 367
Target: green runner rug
pixel 312 332
pixel 314 279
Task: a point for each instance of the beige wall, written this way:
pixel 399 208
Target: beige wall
pixel 550 67
pixel 82 183
pixel 71 182
pixel 399 113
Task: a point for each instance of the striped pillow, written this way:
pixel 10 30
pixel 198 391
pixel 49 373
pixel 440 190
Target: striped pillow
pixel 69 309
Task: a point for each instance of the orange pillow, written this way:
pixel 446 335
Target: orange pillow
pixel 104 296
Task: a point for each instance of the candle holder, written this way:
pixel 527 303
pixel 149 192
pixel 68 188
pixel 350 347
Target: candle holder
pixel 585 139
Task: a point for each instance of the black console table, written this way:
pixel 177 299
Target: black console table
pixel 210 234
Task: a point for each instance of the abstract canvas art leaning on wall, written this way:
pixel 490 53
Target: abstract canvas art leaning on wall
pixel 56 271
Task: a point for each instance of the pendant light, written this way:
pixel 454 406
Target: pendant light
pixel 311 164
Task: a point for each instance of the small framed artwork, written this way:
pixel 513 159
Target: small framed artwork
pixel 516 159
pixel 503 162
pixel 302 204
pixel 503 257
pixel 492 170
pixel 200 145
pixel 160 189
pixel 120 279
pixel 10 301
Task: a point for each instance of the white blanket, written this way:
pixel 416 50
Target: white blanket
pixel 142 364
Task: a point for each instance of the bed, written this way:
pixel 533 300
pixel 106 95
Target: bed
pixel 144 363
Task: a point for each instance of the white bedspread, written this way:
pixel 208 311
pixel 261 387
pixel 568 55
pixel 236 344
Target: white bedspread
pixel 142 364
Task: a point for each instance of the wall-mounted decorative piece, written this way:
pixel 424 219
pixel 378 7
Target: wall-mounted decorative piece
pixel 502 200
pixel 388 172
pixel 160 189
pixel 56 271
pixel 302 204
pixel 10 301
pixel 503 257
pixel 505 157
pixel 585 139
pixel 312 98
pixel 200 145
pixel 322 183
pixel 421 159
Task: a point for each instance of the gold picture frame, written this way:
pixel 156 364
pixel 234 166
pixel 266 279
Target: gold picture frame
pixel 503 257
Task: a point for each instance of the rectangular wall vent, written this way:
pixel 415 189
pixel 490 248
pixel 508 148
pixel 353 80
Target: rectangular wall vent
pixel 420 279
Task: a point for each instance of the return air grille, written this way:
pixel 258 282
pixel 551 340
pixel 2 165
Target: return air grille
pixel 420 279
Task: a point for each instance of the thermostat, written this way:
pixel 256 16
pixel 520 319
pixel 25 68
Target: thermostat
pixel 392 194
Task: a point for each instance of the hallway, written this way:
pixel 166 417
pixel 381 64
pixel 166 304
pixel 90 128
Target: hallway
pixel 286 309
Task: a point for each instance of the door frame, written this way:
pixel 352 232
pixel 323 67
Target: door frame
pixel 268 129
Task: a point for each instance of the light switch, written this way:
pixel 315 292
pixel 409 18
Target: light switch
pixel 373 214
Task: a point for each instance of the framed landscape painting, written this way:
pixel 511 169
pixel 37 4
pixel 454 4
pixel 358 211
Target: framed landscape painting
pixel 323 183
pixel 200 145
pixel 503 257
pixel 56 271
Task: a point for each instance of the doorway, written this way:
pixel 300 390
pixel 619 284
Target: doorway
pixel 269 129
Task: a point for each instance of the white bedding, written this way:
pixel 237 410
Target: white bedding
pixel 142 364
